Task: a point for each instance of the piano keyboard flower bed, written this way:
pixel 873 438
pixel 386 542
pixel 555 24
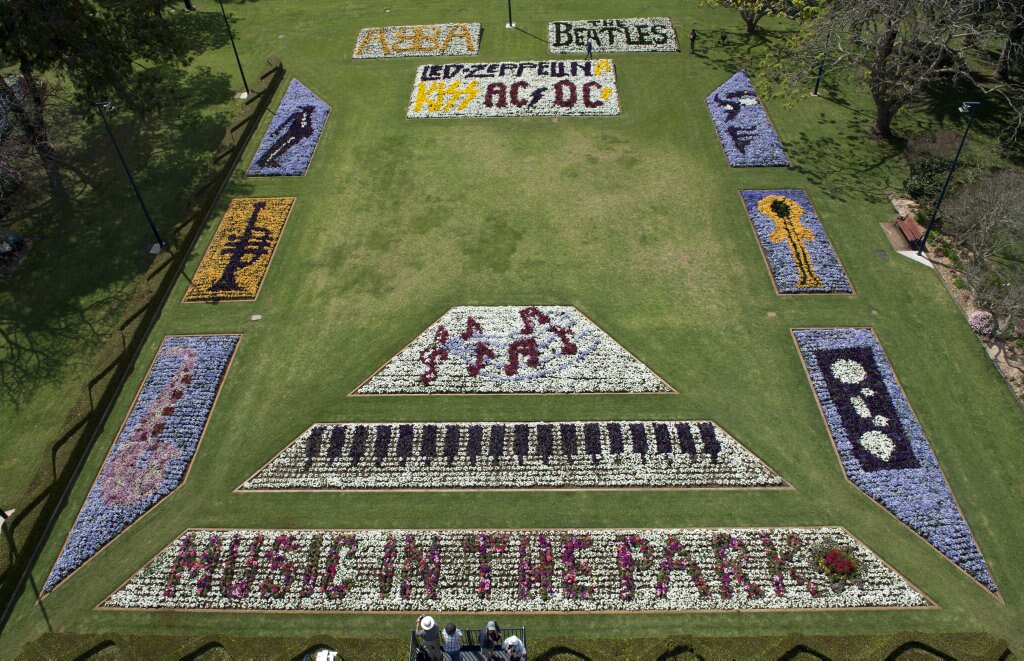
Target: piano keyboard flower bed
pixel 154 448
pixel 880 442
pixel 291 138
pixel 240 252
pixel 511 455
pixel 799 255
pixel 705 569
pixel 746 133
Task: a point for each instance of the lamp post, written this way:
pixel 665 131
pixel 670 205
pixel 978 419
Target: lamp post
pixel 821 66
pixel 106 106
pixel 970 108
pixel 511 24
pixel 232 38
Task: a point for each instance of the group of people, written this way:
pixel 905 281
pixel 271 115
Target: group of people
pixel 436 643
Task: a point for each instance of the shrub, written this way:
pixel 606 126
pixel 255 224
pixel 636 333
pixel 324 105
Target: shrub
pixel 981 322
pixel 959 283
pixel 926 178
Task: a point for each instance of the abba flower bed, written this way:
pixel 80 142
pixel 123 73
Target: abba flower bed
pixel 625 35
pixel 240 252
pixel 418 40
pixel 292 136
pixel 880 442
pixel 509 349
pixel 513 456
pixel 515 89
pixel 511 570
pixel 154 448
pixel 746 133
pixel 793 240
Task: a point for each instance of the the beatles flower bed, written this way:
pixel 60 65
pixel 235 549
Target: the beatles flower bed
pixel 513 89
pixel 155 446
pixel 880 442
pixel 240 252
pixel 746 133
pixel 613 35
pixel 514 455
pixel 506 570
pixel 413 40
pixel 291 138
pixel 794 244
pixel 509 349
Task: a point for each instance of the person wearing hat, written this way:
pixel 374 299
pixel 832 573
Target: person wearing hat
pixel 426 629
pixel 515 648
pixel 452 638
pixel 490 640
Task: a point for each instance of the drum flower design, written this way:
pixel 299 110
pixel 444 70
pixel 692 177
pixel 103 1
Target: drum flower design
pixel 290 140
pixel 239 254
pixel 746 133
pixel 154 448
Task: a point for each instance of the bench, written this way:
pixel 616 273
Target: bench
pixel 911 232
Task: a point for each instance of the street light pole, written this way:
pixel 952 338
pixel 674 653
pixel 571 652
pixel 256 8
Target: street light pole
pixel 511 24
pixel 821 66
pixel 106 105
pixel 232 38
pixel 969 107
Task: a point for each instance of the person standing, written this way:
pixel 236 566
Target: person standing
pixel 515 648
pixel 426 629
pixel 490 641
pixel 590 49
pixel 693 39
pixel 452 638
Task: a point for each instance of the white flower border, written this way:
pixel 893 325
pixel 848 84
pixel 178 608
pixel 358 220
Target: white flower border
pixel 458 579
pixel 441 32
pixel 619 32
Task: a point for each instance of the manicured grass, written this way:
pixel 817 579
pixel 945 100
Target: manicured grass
pixel 633 219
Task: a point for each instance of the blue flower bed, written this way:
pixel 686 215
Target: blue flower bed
pixel 775 243
pixel 288 145
pixel 880 441
pixel 154 448
pixel 743 126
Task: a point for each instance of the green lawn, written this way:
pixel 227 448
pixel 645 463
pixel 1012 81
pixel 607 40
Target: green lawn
pixel 633 219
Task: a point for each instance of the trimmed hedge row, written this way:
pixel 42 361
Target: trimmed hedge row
pixel 63 455
pixel 909 645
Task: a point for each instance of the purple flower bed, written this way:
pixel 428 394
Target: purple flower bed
pixel 799 254
pixel 288 145
pixel 743 126
pixel 154 448
pixel 882 446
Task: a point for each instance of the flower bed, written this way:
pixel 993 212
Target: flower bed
pixel 509 349
pixel 418 40
pixel 154 448
pixel 746 133
pixel 291 138
pixel 798 252
pixel 881 445
pixel 499 455
pixel 240 252
pixel 624 35
pixel 515 570
pixel 515 89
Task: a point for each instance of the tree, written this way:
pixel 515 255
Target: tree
pixel 752 11
pixel 96 46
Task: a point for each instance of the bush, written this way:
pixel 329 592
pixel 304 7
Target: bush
pixel 981 322
pixel 959 283
pixel 926 178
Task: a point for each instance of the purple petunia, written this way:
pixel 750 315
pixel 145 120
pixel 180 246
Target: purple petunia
pixel 746 133
pixel 154 448
pixel 288 144
pixel 880 441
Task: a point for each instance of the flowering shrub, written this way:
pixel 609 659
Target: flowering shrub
pixel 513 89
pixel 154 448
pixel 982 322
pixel 240 252
pixel 512 570
pixel 746 133
pixel 510 349
pixel 291 138
pixel 624 35
pixel 412 40
pixel 880 442
pixel 518 455
pixel 794 244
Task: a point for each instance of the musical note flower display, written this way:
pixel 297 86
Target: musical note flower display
pixel 510 349
pixel 290 140
pixel 799 255
pixel 514 455
pixel 880 442
pixel 240 252
pixel 154 448
pixel 746 133
pixel 699 569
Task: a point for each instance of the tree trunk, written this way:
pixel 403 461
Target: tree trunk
pixel 1010 52
pixel 750 18
pixel 34 125
pixel 885 112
